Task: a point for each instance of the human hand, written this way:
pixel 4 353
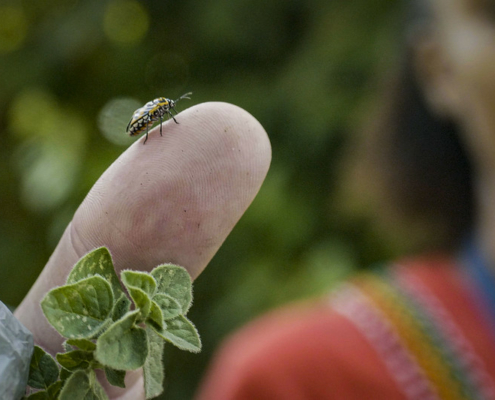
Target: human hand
pixel 173 200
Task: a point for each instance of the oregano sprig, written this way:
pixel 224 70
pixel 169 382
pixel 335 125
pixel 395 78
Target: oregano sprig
pixel 93 312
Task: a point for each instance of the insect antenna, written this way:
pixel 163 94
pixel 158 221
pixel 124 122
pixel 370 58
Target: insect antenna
pixel 184 96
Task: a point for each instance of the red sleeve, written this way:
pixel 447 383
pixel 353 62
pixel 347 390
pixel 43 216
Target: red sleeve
pixel 300 353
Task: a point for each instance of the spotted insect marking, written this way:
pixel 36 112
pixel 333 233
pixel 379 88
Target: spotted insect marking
pixel 144 117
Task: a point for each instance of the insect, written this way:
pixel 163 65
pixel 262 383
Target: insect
pixel 153 111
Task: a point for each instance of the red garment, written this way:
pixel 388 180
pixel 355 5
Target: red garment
pixel 326 351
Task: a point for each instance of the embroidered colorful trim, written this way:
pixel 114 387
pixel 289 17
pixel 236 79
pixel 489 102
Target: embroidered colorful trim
pixel 423 349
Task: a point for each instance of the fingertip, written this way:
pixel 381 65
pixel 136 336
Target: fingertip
pixel 226 125
pixel 177 198
pixel 174 200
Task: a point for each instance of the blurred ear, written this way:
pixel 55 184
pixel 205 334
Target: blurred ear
pixel 434 73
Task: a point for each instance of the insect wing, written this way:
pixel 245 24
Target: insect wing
pixel 145 116
pixel 141 113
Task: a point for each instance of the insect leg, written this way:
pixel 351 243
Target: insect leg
pixel 147 127
pixel 172 115
pixel 161 122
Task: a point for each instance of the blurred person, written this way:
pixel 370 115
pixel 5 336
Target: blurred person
pixel 423 327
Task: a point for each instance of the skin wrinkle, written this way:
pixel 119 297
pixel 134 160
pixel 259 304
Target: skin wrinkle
pixel 72 231
pixel 196 166
pixel 121 232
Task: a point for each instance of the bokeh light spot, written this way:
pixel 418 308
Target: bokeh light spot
pixel 52 143
pixel 49 177
pixel 33 113
pixel 13 27
pixel 126 22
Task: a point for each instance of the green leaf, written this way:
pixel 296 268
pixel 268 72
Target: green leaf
pixel 76 359
pixel 141 280
pixel 141 300
pixel 121 307
pixel 41 395
pixel 115 377
pixel 168 305
pixel 156 315
pixel 51 393
pixel 141 286
pixel 176 282
pixel 79 310
pixel 153 367
pixel 181 333
pixel 65 374
pixel 123 346
pixel 97 262
pixel 81 344
pixel 43 370
pixel 54 390
pixel 83 385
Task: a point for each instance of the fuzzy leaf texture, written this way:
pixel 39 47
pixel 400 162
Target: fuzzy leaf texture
pixel 81 344
pixel 121 307
pixel 76 359
pixel 54 390
pixel 181 333
pixel 65 374
pixel 141 286
pixel 115 377
pixel 52 393
pixel 156 316
pixel 79 310
pixel 43 370
pixel 141 300
pixel 41 395
pixel 174 281
pixel 153 367
pixel 141 280
pixel 124 346
pixel 97 262
pixel 83 385
pixel 168 305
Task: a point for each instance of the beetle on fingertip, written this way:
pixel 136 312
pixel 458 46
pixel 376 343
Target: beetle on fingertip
pixel 144 117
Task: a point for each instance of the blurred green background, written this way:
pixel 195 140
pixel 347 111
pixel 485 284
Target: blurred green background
pixel 72 72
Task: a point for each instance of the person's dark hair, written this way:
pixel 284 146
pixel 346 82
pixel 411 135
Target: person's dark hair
pixel 423 162
pixel 425 166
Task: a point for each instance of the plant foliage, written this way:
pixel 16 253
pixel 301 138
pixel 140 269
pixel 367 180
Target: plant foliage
pixel 93 312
